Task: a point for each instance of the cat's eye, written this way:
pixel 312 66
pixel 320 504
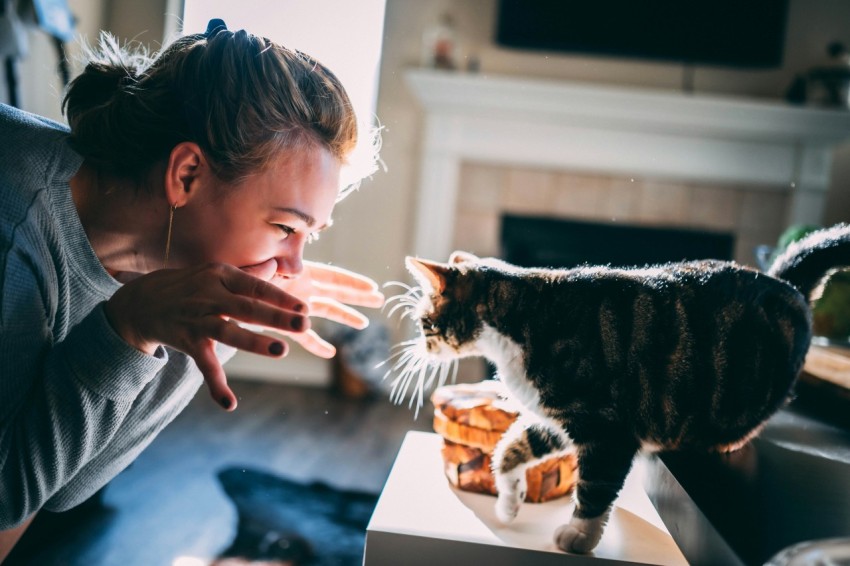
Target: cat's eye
pixel 428 324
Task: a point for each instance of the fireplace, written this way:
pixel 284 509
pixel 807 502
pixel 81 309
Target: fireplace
pixel 590 153
pixel 535 241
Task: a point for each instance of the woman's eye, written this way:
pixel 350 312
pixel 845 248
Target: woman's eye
pixel 428 324
pixel 286 230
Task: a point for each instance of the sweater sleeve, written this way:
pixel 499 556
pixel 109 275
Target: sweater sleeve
pixel 61 399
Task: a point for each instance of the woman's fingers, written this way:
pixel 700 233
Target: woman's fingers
pixel 253 311
pixel 234 335
pixel 357 297
pixel 344 285
pixel 333 275
pixel 337 312
pixel 314 344
pixel 191 309
pixel 238 282
pixel 213 373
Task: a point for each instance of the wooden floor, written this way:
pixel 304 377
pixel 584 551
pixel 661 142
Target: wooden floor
pixel 168 504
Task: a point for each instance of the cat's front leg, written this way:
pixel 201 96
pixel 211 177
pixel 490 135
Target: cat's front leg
pixel 602 470
pixel 519 448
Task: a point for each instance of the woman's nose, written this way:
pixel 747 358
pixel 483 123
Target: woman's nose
pixel 290 265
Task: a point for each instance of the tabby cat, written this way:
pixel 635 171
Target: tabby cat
pixel 693 355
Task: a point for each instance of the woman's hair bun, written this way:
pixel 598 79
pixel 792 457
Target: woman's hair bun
pixel 108 71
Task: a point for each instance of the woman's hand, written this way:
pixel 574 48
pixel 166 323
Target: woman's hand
pixel 329 290
pixel 191 309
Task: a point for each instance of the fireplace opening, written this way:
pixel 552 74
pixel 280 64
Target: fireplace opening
pixel 536 241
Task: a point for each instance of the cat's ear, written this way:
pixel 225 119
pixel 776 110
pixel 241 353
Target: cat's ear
pixel 430 274
pixel 460 256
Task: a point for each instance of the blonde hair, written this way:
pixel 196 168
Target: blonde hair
pixel 240 97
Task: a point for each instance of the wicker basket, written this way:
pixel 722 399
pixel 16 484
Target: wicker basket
pixel 472 418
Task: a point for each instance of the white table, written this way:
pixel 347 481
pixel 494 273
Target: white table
pixel 420 519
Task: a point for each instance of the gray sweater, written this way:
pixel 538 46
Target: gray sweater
pixel 77 403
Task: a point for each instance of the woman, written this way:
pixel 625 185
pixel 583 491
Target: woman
pixel 133 246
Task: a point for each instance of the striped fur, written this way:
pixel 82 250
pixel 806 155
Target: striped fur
pixel 684 356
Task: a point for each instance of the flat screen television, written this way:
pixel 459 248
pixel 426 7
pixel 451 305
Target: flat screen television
pixel 727 33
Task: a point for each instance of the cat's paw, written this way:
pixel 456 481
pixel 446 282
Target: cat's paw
pixel 579 535
pixel 511 489
pixel 507 508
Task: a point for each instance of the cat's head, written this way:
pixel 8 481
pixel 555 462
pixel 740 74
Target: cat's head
pixel 447 312
pixel 447 306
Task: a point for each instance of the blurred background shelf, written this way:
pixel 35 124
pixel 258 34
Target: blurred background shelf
pixel 830 364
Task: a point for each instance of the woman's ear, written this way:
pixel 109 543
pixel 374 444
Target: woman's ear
pixel 186 163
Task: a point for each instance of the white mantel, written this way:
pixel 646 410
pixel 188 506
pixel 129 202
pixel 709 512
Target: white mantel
pixel 614 130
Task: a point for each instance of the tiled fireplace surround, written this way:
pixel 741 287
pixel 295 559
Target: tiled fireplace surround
pixel 503 145
pixel 754 215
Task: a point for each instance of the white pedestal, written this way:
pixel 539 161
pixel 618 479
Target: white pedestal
pixel 421 519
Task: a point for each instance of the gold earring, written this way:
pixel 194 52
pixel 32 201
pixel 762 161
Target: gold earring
pixel 168 237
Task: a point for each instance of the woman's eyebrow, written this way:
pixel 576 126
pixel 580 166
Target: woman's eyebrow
pixel 308 220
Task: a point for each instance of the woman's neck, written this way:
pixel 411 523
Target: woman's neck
pixel 126 227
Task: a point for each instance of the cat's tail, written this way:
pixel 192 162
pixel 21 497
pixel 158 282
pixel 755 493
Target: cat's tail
pixel 806 262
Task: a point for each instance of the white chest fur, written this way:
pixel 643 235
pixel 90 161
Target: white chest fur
pixel 510 364
pixel 509 360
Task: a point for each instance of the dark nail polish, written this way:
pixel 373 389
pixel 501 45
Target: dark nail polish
pixel 275 348
pixel 297 323
pixel 299 307
pixel 225 402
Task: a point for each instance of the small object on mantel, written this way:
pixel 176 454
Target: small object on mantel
pixel 829 363
pixel 472 418
pixel 440 44
pixel 826 85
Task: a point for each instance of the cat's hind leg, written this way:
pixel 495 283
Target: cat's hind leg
pixel 602 471
pixel 522 446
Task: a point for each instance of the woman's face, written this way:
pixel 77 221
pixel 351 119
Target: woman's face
pixel 268 215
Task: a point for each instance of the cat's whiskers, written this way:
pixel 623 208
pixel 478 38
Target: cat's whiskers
pixel 411 359
pixel 407 356
pixel 410 298
pixel 398 284
pixel 400 305
pixel 416 368
pixel 401 348
pixel 401 382
pixel 405 360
